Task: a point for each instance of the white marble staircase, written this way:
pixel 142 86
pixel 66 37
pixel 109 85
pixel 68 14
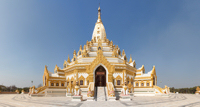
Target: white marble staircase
pixel 101 94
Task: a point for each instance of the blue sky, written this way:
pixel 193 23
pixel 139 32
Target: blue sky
pixel 36 33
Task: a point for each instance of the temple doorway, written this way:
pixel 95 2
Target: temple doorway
pixel 100 77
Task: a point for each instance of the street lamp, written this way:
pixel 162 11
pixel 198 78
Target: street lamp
pixel 32 83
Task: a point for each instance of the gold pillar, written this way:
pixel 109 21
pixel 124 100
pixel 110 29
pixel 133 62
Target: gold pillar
pixel 91 77
pixel 124 76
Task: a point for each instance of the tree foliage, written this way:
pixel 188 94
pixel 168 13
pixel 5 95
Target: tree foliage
pixel 191 90
pixel 12 88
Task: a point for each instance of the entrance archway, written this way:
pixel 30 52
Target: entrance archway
pixel 100 76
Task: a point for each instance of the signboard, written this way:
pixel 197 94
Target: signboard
pixel 100 73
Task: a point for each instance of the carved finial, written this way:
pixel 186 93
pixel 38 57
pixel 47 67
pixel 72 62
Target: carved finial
pixel 74 52
pixel 104 39
pixel 68 60
pixel 84 48
pixel 130 60
pixel 123 52
pixel 65 64
pixel 111 42
pixel 56 69
pixel 80 47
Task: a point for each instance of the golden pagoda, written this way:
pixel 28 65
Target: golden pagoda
pixel 99 63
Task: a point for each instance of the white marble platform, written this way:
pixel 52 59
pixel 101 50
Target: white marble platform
pixel 174 100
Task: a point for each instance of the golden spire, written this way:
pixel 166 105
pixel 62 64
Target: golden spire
pixel 99 14
pixel 142 68
pixel 56 67
pixel 154 69
pixel 68 60
pixel 45 69
pixel 130 60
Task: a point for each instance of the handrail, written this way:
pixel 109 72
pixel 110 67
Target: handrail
pixel 110 90
pixel 91 90
pixel 40 89
pixel 159 89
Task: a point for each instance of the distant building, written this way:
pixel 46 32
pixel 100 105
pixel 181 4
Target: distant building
pixel 197 90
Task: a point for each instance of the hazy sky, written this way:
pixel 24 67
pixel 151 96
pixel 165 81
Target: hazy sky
pixel 35 33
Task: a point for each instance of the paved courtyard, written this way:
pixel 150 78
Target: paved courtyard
pixel 174 100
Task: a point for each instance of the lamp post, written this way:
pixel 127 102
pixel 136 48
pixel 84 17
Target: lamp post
pixel 32 83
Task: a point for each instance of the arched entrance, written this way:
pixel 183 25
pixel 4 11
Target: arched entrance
pixel 100 76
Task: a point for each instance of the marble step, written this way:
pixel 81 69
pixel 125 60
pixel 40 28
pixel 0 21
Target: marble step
pixel 101 94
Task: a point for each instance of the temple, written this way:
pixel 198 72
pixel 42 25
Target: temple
pixel 100 63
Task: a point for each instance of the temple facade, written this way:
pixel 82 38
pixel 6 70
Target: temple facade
pixel 99 63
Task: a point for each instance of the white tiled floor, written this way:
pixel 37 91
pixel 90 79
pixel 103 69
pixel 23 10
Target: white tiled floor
pixel 174 100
